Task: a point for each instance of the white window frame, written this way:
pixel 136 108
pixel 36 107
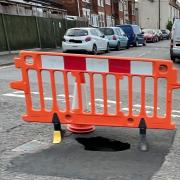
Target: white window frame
pixel 120 6
pixel 87 13
pixel 87 1
pixel 108 2
pixel 109 20
pixel 133 9
pixel 101 19
pixel 101 3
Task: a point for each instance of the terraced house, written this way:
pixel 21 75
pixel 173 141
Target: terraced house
pixel 101 12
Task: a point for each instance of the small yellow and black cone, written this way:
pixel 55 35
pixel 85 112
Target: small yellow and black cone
pixel 57 136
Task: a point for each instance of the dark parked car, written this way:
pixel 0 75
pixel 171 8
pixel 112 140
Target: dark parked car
pixel 134 34
pixel 166 34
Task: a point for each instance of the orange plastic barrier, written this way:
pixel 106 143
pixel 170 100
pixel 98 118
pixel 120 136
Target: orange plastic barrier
pixel 78 66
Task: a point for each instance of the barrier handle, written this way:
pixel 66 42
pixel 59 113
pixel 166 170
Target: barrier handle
pixel 176 86
pixel 19 85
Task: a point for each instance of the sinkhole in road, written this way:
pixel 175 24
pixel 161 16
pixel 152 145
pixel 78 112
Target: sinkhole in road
pixel 102 144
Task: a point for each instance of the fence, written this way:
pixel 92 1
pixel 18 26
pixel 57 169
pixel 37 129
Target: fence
pixel 26 32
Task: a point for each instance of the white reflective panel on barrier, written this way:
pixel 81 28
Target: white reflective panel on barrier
pixel 52 62
pixel 97 65
pixel 142 68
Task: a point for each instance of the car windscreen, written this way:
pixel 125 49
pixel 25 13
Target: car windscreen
pixel 164 31
pixel 107 31
pixel 137 30
pixel 149 31
pixel 126 29
pixel 77 32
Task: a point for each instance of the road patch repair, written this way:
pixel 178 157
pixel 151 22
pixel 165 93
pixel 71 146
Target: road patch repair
pixel 76 159
pixel 70 160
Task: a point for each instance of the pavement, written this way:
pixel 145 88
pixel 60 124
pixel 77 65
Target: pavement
pixel 7 58
pixel 27 152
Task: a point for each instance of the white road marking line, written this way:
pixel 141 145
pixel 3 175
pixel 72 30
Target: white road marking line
pixel 148 107
pixel 108 101
pixel 174 115
pixel 18 92
pixel 14 95
pixel 5 67
pixel 143 54
pixel 50 99
pixel 21 95
pixel 137 110
pixel 175 111
pixel 22 92
pixel 63 95
pixel 99 105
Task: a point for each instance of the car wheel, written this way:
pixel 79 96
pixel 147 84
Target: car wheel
pixel 107 49
pixel 173 58
pixel 144 44
pixel 118 48
pixel 136 43
pixel 94 50
pixel 127 46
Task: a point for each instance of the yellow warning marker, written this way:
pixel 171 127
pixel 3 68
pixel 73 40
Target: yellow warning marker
pixel 57 137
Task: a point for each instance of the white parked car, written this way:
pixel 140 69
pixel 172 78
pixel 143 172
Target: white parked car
pixel 175 40
pixel 85 39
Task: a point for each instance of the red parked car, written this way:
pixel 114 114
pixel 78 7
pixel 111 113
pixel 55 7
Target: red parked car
pixel 150 35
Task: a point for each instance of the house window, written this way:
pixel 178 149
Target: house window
pixel 108 2
pixel 133 9
pixel 101 19
pixel 86 13
pixel 120 6
pixel 101 3
pixel 85 1
pixel 109 20
pixel 125 5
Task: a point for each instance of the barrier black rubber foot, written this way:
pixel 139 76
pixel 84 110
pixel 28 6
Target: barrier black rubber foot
pixel 143 145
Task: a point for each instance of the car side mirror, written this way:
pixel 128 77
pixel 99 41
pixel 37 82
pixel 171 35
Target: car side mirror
pixel 102 36
pixel 142 33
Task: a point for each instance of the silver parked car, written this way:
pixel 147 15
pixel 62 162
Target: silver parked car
pixel 116 36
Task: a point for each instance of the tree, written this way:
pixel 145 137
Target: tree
pixel 169 25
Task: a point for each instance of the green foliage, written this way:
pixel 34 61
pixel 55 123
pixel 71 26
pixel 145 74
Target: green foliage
pixel 169 25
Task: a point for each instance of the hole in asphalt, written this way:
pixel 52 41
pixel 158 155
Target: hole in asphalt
pixel 103 144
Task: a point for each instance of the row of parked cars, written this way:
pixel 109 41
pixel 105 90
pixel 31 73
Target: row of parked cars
pixel 94 40
pixel 155 35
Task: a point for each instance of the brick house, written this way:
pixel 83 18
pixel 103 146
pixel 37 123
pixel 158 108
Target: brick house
pixel 131 11
pixel 101 12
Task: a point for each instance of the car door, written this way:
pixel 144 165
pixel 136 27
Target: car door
pixel 123 37
pixel 102 40
pixel 95 37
